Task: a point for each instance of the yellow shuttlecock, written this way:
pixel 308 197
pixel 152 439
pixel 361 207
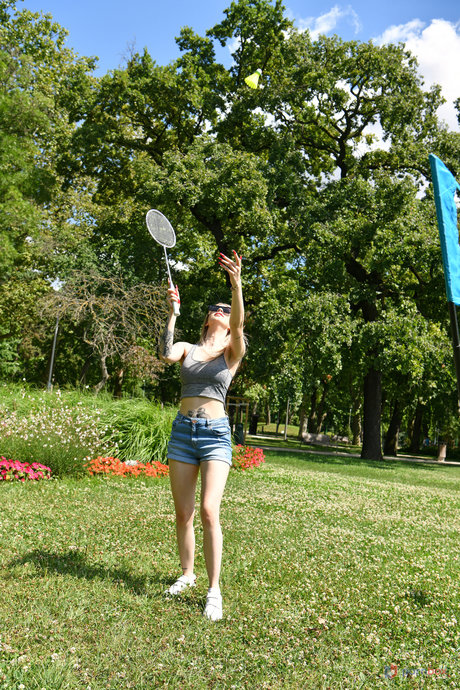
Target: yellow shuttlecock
pixel 253 79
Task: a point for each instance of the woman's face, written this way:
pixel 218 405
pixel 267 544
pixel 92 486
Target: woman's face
pixel 215 315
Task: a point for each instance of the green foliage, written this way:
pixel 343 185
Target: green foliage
pixel 138 430
pixel 36 71
pixel 60 438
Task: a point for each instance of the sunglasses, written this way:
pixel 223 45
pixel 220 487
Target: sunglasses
pixel 216 307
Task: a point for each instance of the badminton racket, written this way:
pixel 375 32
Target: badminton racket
pixel 162 232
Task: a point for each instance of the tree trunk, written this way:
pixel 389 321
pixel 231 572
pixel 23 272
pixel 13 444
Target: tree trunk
pixel 311 424
pixel 277 422
pixel 320 414
pixel 303 421
pixel 372 446
pixel 105 376
pixel 356 428
pixel 117 391
pixel 416 429
pixel 355 421
pixel 391 438
pixel 84 371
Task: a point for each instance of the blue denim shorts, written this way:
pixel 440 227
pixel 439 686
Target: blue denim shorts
pixel 194 440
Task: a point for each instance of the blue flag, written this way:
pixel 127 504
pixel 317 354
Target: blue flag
pixel 445 185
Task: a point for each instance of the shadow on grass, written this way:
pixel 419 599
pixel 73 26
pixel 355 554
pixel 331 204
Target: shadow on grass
pixel 76 564
pixel 324 458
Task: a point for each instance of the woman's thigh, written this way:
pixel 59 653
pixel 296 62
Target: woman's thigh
pixel 214 475
pixel 183 477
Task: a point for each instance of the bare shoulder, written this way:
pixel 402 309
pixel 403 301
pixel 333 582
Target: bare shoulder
pixel 186 347
pixel 178 353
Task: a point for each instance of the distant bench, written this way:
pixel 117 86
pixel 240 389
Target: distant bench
pixel 323 439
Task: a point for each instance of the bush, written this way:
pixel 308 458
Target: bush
pixel 138 430
pixel 59 436
pixel 64 429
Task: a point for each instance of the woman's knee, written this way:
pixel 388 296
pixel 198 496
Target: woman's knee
pixel 209 515
pixel 184 515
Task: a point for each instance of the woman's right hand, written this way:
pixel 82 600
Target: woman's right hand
pixel 173 296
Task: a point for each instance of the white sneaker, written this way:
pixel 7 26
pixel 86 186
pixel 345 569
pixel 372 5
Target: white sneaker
pixel 213 606
pixel 181 583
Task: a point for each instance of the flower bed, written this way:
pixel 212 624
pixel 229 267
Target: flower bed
pixel 115 467
pixel 11 470
pixel 245 457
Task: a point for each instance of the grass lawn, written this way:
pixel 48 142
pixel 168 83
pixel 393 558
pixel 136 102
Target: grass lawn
pixel 293 442
pixel 334 568
pixel 271 438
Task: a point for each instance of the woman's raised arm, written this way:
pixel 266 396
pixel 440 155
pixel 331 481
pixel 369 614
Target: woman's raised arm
pixel 233 268
pixel 171 352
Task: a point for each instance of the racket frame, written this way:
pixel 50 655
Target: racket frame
pixel 176 308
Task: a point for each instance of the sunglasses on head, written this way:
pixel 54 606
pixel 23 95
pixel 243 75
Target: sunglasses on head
pixel 216 307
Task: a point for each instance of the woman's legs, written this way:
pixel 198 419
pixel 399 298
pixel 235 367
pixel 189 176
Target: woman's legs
pixel 214 475
pixel 183 477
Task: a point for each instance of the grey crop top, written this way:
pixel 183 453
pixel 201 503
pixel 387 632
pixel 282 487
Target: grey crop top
pixel 209 379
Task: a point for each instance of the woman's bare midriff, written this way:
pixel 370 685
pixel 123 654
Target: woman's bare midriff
pixel 202 408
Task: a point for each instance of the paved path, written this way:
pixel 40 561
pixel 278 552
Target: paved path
pixel 314 451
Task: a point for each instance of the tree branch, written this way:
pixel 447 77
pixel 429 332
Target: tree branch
pixel 275 251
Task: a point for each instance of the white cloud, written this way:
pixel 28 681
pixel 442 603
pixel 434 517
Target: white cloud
pixel 402 32
pixel 328 22
pixel 437 49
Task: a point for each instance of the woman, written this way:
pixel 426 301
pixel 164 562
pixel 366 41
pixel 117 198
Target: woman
pixel 200 437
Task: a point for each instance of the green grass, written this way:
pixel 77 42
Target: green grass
pixel 274 441
pixel 333 569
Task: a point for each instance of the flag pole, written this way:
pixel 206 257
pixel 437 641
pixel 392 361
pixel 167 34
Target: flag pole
pixel 444 186
pixel 455 343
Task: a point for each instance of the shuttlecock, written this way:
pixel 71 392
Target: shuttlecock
pixel 253 79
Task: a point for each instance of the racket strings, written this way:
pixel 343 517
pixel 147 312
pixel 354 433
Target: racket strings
pixel 164 236
pixel 160 230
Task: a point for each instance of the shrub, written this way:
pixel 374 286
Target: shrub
pixel 246 457
pixel 64 429
pixel 138 430
pixel 61 437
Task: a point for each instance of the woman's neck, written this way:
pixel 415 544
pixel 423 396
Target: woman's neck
pixel 214 342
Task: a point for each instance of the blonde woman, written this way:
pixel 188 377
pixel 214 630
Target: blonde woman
pixel 200 438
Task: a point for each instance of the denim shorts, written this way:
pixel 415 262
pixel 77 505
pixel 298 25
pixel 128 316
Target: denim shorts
pixel 194 440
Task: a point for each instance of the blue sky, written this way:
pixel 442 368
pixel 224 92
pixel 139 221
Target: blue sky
pixel 107 27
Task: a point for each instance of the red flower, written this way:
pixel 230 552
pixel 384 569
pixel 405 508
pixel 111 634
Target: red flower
pixel 245 457
pixel 115 467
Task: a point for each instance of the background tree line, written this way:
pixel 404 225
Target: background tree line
pixel 320 178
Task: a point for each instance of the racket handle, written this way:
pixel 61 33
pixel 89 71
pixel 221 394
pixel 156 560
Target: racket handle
pixel 176 306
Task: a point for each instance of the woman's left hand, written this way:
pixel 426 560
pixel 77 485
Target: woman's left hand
pixel 233 268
